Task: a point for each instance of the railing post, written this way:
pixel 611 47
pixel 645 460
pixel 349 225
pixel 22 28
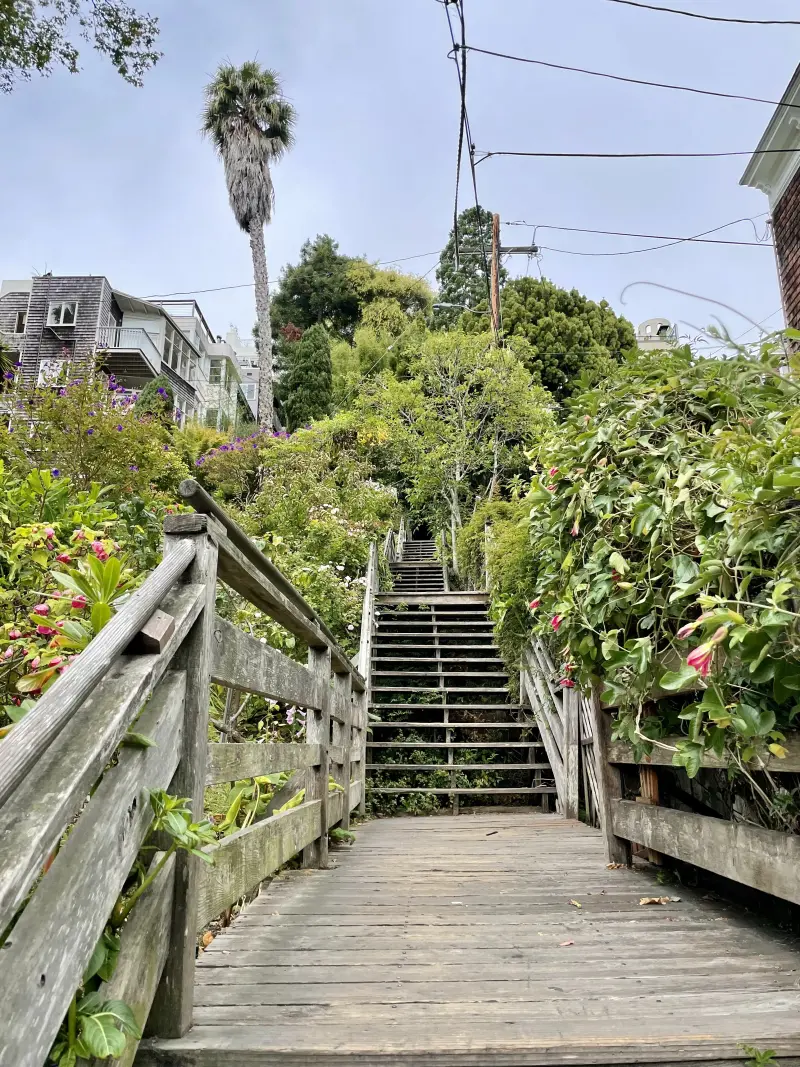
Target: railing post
pixel 318 732
pixel 361 717
pixel 171 1015
pixel 571 705
pixel 343 734
pixel 609 782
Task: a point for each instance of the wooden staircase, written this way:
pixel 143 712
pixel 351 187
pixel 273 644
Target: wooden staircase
pixel 446 722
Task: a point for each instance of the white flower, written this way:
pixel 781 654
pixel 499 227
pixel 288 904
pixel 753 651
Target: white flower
pixel 263 640
pixel 350 626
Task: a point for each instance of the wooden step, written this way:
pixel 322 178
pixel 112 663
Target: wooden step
pixel 403 725
pixel 451 707
pixel 459 674
pixel 458 766
pixel 445 648
pixel 454 744
pixel 464 792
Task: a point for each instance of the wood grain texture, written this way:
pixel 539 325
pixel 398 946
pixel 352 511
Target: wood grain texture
pixel 318 732
pixel 46 953
pixel 144 943
pixel 232 762
pixel 172 1009
pixel 240 660
pixel 571 752
pixel 440 942
pixel 54 790
pixel 622 752
pixel 764 859
pixel 609 784
pixel 31 737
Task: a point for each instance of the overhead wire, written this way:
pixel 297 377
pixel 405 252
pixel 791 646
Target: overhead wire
pixel 708 18
pixel 631 81
pixel 640 155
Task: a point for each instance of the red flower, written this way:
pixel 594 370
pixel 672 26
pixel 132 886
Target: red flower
pixel 700 658
pixel 553 472
pixel 64 557
pixel 79 602
pixel 551 488
pixel 99 550
pixel 45 631
pixel 556 621
pixel 41 609
pixel 55 661
pixel 14 634
pixel 567 683
pixel 534 604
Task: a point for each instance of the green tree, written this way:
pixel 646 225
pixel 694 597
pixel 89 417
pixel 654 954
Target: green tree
pixel 38 35
pixel 316 291
pixel 157 399
pixel 559 333
pixel 309 379
pixel 468 285
pixel 251 125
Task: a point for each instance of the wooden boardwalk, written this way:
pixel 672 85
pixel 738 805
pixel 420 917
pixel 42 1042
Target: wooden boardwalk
pixel 453 942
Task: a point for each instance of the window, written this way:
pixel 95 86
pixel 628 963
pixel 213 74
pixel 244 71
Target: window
pixel 19 323
pixel 211 418
pixel 52 372
pixel 64 313
pixel 249 389
pixel 215 372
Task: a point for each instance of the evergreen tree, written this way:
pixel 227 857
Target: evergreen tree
pixel 468 285
pixel 317 290
pixel 309 378
pixel 157 399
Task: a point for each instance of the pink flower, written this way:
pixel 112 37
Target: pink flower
pixel 99 550
pixel 41 609
pixel 551 488
pixel 64 557
pixel 553 472
pixel 567 683
pixel 700 658
pixel 79 602
pixel 556 621
pixel 55 661
pixel 35 662
pixel 9 652
pixel 50 532
pixel 14 634
pixel 45 631
pixel 575 529
pixel 79 535
pixel 534 604
pixel 686 630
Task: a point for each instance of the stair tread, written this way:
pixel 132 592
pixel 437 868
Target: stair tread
pixel 457 766
pixel 403 724
pixel 464 792
pixel 454 744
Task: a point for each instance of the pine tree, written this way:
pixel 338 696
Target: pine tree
pixel 309 378
pixel 468 285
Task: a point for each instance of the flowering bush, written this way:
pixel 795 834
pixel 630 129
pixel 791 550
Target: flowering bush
pixel 660 552
pixel 64 562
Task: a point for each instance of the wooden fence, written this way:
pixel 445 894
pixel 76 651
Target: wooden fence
pixel 74 803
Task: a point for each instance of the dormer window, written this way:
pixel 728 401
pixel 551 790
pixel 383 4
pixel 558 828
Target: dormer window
pixel 63 313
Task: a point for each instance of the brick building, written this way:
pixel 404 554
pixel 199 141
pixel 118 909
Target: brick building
pixel 777 173
pixel 55 324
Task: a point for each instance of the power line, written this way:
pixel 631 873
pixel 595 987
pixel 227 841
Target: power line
pixel 640 155
pixel 631 81
pixel 700 238
pixel 708 18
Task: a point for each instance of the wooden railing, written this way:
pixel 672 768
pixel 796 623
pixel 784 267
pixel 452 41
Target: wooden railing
pixel 74 804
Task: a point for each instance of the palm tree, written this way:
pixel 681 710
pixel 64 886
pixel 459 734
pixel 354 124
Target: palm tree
pixel 251 125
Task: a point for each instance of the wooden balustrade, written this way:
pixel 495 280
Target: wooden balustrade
pixel 74 801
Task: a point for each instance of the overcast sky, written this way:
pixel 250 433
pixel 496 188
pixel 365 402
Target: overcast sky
pixel 102 178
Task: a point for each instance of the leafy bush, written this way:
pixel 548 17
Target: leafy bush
pixel 663 551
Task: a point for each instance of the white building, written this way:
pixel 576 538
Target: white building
pixel 247 359
pixel 655 334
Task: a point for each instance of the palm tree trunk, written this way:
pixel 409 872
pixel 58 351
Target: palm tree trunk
pixel 265 385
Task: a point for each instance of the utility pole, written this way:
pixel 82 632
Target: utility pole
pixel 495 278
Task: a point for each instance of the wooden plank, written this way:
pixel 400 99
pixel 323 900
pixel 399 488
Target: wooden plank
pixel 240 660
pixel 143 952
pixel 46 953
pixel 238 546
pixel 471 792
pixel 342 714
pixel 764 859
pixel 542 721
pixel 622 752
pixel 172 1009
pixel 242 575
pixel 571 751
pixel 232 762
pixel 30 738
pixel 318 732
pixel 32 822
pixel 545 708
pixel 246 858
pixel 609 782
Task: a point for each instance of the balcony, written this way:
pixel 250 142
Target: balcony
pixel 129 353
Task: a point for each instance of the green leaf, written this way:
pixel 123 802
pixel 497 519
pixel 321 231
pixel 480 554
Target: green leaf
pixel 689 756
pixel 124 1017
pixel 684 569
pixel 101 614
pixel 41 557
pixel 675 680
pixel 111 573
pixel 617 562
pixel 134 740
pixel 752 722
pixel 100 1037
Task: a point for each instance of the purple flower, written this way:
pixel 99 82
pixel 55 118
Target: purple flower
pixel 9 376
pixel 56 472
pixel 166 448
pixel 119 428
pixel 161 391
pixel 62 392
pixel 133 467
pixel 90 431
pixel 199 462
pixel 92 414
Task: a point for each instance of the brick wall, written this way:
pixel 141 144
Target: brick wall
pixel 93 296
pixel 786 225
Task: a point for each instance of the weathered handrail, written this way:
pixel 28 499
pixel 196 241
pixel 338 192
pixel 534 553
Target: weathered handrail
pixel 59 889
pixel 43 724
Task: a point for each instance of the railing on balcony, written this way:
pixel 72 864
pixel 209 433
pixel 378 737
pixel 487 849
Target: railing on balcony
pixel 127 339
